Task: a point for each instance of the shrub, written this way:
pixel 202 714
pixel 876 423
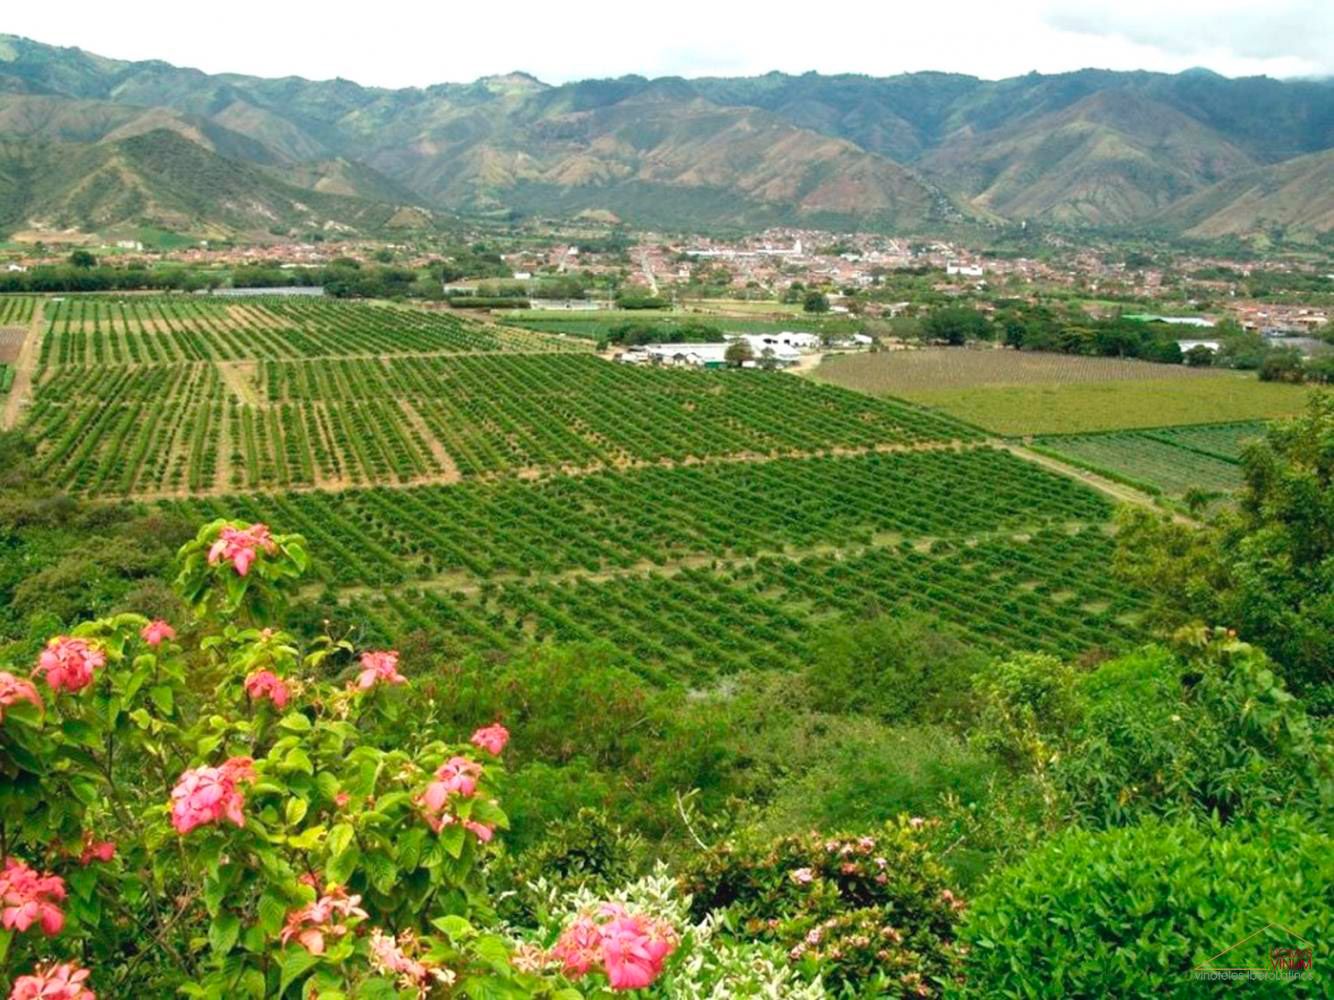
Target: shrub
pixel 1131 912
pixel 1214 732
pixel 895 667
pixel 871 913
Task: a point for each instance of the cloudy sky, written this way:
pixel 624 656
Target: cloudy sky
pixel 407 43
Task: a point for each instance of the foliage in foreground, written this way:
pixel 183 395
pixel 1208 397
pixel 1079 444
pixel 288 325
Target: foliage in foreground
pixel 1132 912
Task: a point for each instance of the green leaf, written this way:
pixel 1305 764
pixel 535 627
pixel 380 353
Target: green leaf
pixel 161 695
pixel 272 912
pixel 222 933
pixel 298 760
pixel 453 926
pixel 296 963
pixel 296 722
pixel 340 869
pixel 339 837
pixel 295 810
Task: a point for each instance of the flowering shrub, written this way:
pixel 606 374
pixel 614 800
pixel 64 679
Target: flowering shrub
pixel 870 912
pixel 209 808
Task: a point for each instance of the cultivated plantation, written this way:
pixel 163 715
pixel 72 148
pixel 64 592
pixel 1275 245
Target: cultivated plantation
pixel 1022 393
pixel 500 488
pixel 776 688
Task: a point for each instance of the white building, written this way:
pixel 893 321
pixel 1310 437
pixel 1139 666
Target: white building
pixel 1188 345
pixel 966 270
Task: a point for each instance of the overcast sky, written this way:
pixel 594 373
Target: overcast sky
pixel 400 43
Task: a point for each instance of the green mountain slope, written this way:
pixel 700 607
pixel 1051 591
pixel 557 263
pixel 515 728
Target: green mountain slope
pixel 1112 157
pixel 909 151
pixel 1296 195
pixel 162 179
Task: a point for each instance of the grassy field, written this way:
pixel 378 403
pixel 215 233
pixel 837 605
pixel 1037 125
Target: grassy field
pixel 1015 393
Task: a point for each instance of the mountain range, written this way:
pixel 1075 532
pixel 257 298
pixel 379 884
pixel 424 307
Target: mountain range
pixel 95 143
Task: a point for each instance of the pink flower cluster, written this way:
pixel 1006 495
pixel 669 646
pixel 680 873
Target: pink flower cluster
pixel 96 850
pixel 266 684
pixel 491 738
pixel 630 948
pixel 156 632
pixel 240 547
pixel 455 777
pixel 14 690
pixel 27 898
pixel 378 668
pixel 69 663
pixel 326 917
pixel 210 794
pixel 389 957
pixel 59 982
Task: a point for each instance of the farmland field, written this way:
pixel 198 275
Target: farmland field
pixel 1144 459
pixel 468 479
pixel 1048 591
pixel 150 330
pixel 149 428
pixel 594 325
pixel 1017 393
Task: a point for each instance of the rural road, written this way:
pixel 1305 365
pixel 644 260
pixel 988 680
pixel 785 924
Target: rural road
pixel 24 368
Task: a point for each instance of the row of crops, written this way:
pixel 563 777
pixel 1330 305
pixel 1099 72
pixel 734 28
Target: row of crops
pixel 126 430
pixel 652 516
pixel 502 413
pixel 343 422
pixel 156 330
pixel 6 378
pixel 16 310
pixel 1171 460
pixel 1049 591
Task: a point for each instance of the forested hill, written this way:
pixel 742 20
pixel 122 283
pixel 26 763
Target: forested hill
pixel 913 151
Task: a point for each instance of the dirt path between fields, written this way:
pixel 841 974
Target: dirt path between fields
pixel 452 475
pixel 1119 491
pixel 24 368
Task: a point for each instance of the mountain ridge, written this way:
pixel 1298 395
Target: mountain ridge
pixel 910 152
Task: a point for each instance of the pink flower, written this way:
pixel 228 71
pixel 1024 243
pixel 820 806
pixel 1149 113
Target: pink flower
pixel 266 684
pixel 96 850
pixel 14 690
pixel 378 668
pixel 802 876
pixel 326 917
pixel 156 631
pixel 60 982
pixel 579 947
pixel 481 831
pixel 239 547
pixel 342 799
pixel 210 794
pixel 456 777
pixel 390 958
pixel 630 948
pixel 491 738
pixel 27 898
pixel 69 663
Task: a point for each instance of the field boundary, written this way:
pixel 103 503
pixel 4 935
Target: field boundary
pixel 25 366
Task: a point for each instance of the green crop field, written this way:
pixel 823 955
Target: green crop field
pixel 1018 393
pixel 1144 459
pixel 149 330
pixel 337 422
pixel 455 475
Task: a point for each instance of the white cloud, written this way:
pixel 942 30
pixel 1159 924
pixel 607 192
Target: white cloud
pixel 414 43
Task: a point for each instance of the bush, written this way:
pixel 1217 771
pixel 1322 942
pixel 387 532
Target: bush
pixel 869 913
pixel 1130 912
pixel 896 667
pixel 1166 734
